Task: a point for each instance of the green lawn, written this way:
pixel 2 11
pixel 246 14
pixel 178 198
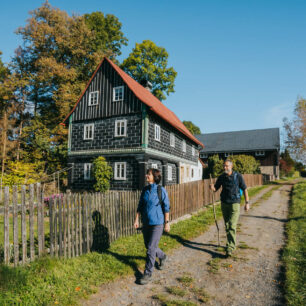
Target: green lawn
pixel 53 281
pixel 295 251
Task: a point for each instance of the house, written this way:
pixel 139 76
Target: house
pixel 263 144
pixel 123 121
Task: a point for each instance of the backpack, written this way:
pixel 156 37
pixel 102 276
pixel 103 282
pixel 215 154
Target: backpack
pixel 239 191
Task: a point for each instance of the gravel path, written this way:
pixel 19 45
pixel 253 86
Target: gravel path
pixel 252 277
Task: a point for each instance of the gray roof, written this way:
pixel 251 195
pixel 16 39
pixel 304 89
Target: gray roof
pixel 263 139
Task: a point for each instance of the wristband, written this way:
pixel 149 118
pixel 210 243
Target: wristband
pixel 167 221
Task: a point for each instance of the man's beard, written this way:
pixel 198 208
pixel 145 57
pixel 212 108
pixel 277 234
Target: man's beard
pixel 227 171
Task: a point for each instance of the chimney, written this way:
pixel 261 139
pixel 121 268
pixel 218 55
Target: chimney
pixel 146 84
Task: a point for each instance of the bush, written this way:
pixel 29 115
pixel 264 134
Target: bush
pixel 245 164
pixel 102 173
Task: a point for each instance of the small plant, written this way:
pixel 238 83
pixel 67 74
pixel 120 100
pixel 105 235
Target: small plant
pixel 243 245
pixel 214 265
pixel 201 294
pixel 175 290
pixel 186 280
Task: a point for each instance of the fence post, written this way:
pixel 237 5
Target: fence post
pixel 6 225
pixel 39 219
pixel 31 222
pixel 51 219
pixel 23 224
pixel 15 225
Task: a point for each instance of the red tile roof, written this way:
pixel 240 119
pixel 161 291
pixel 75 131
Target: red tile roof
pixel 147 98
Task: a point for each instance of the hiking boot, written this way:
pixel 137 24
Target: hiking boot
pixel 162 262
pixel 146 278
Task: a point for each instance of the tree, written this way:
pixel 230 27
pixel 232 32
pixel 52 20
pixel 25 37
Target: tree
pixel 149 62
pixel 215 166
pixel 58 55
pixel 193 129
pixel 22 173
pixel 245 164
pixel 102 173
pixel 286 164
pixel 108 35
pixel 295 131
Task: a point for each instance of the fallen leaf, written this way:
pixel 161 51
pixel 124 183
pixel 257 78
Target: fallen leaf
pixel 165 243
pixel 77 289
pixel 56 302
pixel 230 266
pixel 247 296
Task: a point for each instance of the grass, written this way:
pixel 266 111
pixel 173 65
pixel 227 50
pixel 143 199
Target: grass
pixel 186 280
pixel 201 295
pixel 214 265
pixel 175 290
pixel 243 245
pixel 165 301
pixel 66 281
pixel 294 255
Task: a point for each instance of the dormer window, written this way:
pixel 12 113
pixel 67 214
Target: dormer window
pixel 184 146
pixel 172 140
pixel 260 153
pixel 120 128
pixel 118 93
pixel 157 132
pixel 93 98
pixel 88 131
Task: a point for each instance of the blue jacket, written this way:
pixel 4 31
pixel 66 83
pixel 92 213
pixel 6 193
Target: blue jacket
pixel 149 206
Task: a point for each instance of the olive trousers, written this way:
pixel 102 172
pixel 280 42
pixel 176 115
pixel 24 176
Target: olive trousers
pixel 231 214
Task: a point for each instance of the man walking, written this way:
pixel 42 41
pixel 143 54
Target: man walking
pixel 231 183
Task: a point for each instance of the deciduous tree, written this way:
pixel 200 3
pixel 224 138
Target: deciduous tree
pixel 193 129
pixel 149 62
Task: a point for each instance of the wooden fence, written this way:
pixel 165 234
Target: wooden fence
pixel 71 224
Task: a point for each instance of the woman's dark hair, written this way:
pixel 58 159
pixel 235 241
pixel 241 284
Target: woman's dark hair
pixel 156 175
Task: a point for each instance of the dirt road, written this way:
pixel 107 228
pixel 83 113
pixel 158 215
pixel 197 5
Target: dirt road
pixel 198 272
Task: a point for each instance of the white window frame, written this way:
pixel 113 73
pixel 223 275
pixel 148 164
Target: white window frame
pixel 115 99
pixel 184 146
pixel 172 140
pixel 87 171
pixel 86 134
pixel 120 165
pixel 193 151
pixel 157 132
pixel 260 153
pixel 154 166
pixel 203 155
pixel 170 173
pixel 124 121
pixel 91 94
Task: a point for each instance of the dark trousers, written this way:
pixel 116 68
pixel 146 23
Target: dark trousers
pixel 151 236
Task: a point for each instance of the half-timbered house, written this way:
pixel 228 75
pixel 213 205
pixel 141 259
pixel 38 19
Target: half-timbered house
pixel 123 121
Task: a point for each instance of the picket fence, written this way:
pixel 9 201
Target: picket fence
pixel 72 224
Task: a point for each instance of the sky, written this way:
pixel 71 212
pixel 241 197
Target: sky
pixel 241 64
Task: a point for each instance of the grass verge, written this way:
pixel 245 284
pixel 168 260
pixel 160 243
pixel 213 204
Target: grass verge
pixel 294 255
pixel 66 281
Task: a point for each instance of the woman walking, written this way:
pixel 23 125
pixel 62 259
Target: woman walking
pixel 154 210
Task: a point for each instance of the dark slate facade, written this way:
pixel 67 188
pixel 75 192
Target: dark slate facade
pixel 136 151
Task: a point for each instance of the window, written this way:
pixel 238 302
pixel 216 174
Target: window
pixel 193 151
pixel 120 171
pixel 120 128
pixel 192 172
pixel 169 173
pixel 172 140
pixel 118 93
pixel 88 131
pixel 154 166
pixel 157 132
pixel 204 155
pixel 184 146
pixel 226 154
pixel 87 171
pixel 93 98
pixel 260 153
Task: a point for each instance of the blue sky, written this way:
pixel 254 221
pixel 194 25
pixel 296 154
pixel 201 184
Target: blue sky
pixel 241 64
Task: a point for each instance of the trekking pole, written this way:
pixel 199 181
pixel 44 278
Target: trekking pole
pixel 214 208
